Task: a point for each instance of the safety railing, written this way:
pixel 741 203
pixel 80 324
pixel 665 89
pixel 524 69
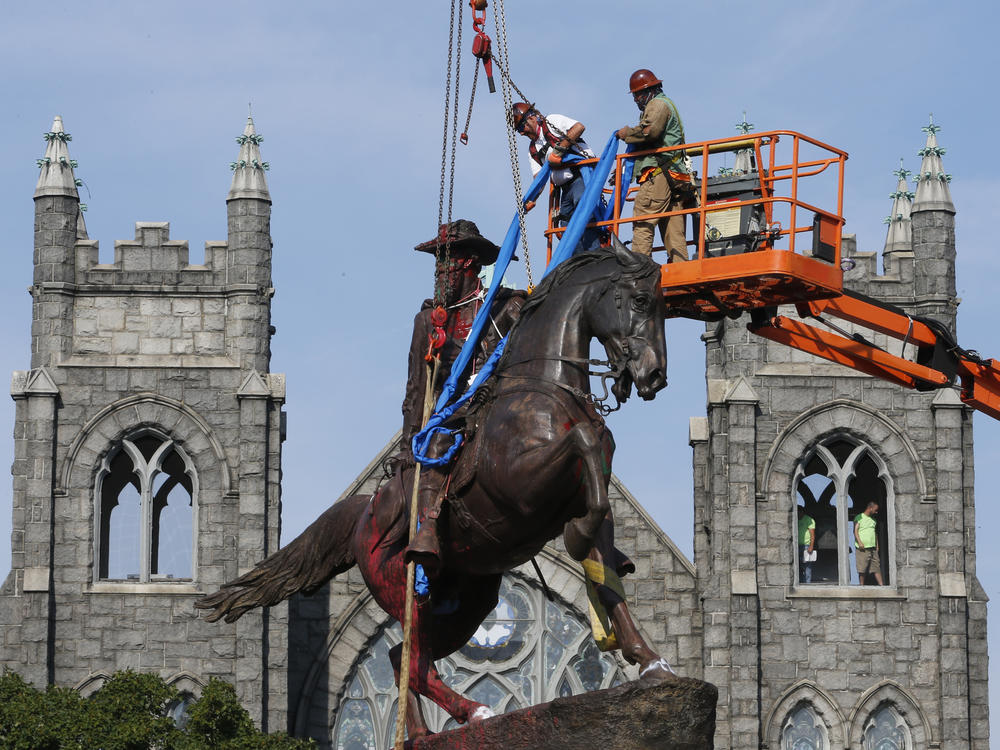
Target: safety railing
pixel 779 198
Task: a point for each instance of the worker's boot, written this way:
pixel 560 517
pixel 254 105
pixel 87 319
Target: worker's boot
pixel 425 547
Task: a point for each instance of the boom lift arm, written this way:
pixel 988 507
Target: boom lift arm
pixel 937 362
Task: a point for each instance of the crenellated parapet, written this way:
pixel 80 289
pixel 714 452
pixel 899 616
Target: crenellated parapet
pixel 151 258
pixel 892 283
pixel 151 307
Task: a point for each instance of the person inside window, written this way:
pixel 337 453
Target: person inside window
pixel 866 545
pixel 807 545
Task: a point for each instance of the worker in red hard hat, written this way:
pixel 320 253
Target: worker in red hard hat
pixel 664 179
pixel 553 137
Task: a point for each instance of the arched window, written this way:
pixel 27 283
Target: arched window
pixel 528 651
pixel 804 730
pixel 180 709
pixel 885 729
pixel 145 494
pixel 835 483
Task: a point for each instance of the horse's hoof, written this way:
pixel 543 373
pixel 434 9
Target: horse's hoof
pixel 480 713
pixel 658 669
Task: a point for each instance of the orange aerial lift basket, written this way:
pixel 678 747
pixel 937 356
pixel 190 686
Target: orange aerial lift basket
pixel 760 237
pixel 764 230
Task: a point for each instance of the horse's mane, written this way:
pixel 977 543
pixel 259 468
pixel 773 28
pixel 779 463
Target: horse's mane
pixel 640 268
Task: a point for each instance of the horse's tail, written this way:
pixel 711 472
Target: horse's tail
pixel 315 556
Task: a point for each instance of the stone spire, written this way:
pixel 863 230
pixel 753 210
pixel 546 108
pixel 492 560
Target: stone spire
pixel 899 237
pixel 932 216
pixel 932 182
pixel 56 176
pixel 248 169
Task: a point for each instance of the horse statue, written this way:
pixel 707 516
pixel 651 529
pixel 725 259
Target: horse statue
pixel 536 462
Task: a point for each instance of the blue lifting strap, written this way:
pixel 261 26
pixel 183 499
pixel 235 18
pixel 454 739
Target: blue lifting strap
pixel 594 179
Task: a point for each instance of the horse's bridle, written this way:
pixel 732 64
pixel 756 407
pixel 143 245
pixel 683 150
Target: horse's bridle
pixel 616 364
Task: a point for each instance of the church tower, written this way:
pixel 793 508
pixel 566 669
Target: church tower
pixel 807 653
pixel 147 449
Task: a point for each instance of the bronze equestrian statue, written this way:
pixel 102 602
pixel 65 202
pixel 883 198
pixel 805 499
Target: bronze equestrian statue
pixel 536 463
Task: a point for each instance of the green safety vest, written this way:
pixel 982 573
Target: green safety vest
pixel 673 134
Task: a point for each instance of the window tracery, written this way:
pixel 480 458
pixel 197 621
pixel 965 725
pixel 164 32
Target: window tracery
pixel 834 483
pixel 529 650
pixel 885 729
pixel 145 495
pixel 804 730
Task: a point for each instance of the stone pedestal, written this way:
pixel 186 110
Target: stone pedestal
pixel 643 715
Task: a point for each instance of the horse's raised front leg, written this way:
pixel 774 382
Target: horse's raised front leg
pixel 579 534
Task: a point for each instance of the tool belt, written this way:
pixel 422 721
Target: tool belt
pixel 675 177
pixel 681 185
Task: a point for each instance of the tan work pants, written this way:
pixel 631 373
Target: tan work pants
pixel 654 197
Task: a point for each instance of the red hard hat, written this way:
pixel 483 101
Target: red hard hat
pixel 642 79
pixel 519 112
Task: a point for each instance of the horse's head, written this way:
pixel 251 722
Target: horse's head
pixel 629 323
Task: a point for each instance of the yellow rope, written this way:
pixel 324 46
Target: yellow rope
pixel 598 574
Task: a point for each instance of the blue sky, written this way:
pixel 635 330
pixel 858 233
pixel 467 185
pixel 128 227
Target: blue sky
pixel 348 97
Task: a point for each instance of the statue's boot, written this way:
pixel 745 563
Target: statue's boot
pixel 623 565
pixel 425 547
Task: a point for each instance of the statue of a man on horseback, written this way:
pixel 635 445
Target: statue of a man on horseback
pixel 535 463
pixel 440 330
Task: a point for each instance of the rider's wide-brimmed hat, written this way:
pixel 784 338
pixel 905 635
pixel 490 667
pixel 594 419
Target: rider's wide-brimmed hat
pixel 465 241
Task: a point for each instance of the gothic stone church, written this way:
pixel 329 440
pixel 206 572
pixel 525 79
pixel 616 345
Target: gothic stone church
pixel 147 472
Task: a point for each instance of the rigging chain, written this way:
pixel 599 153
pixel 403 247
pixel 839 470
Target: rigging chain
pixel 505 74
pixel 440 294
pixel 454 131
pixel 468 118
pixel 502 60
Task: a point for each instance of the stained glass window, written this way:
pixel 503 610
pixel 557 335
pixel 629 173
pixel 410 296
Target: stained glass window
pixel 886 730
pixel 180 710
pixel 804 730
pixel 529 650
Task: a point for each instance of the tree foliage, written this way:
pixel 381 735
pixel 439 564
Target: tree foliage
pixel 129 712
